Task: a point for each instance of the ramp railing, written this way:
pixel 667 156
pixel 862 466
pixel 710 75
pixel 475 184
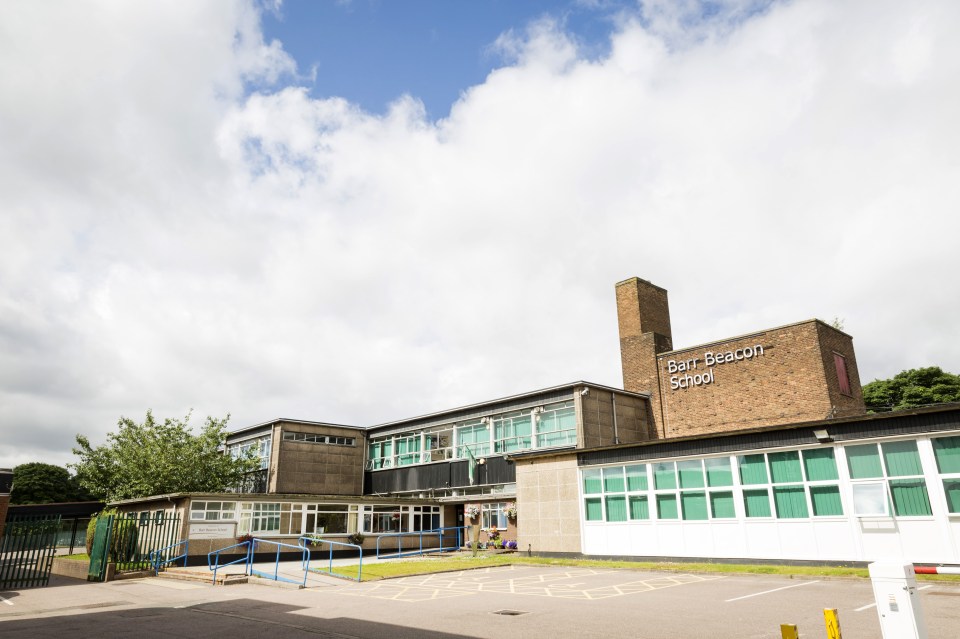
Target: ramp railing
pixel 318 541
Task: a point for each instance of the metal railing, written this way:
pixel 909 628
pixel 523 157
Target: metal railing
pixel 316 541
pixel 436 532
pixel 213 559
pixel 305 561
pixel 161 556
pixel 136 536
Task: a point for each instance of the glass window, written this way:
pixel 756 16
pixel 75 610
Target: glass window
pixel 664 476
pixel 557 425
pixel 513 431
pixel 494 515
pixel 820 464
pixel 594 509
pixel 691 474
pixel 753 469
pixel 864 462
pixel 869 499
pixel 636 477
pixel 785 467
pixel 946 450
pixel 476 437
pixel 639 507
pixel 667 506
pixel 616 508
pixel 756 503
pixel 592 482
pixel 408 449
pixel 721 505
pixel 826 501
pixel 694 505
pixel 613 480
pixel 900 460
pixel 718 471
pixel 212 510
pixel 790 502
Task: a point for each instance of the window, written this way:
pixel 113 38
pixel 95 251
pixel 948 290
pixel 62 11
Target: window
pixel 259 448
pixel 513 431
pixel 328 519
pixel 621 493
pixel 946 450
pixel 385 519
pixel 425 518
pixel 494 515
pixel 380 453
pixel 840 362
pixel 557 425
pixel 259 518
pixel 408 449
pixel 476 437
pixel 686 489
pixel 438 444
pixel 212 510
pixel 790 484
pixel 312 438
pixel 895 470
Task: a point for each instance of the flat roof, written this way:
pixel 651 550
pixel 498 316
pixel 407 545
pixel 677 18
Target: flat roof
pixel 291 421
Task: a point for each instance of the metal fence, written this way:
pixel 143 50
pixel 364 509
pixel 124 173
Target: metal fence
pixel 136 535
pixel 26 551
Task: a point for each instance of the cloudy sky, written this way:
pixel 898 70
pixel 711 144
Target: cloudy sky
pixel 362 211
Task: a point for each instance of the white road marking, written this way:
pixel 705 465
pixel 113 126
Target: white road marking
pixel 767 592
pixel 5 600
pixel 868 606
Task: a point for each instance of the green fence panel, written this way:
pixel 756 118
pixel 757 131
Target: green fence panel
pixel 26 551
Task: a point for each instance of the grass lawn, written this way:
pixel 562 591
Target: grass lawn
pixel 428 565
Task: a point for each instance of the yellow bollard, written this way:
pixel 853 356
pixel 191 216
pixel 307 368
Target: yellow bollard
pixel 832 621
pixel 788 631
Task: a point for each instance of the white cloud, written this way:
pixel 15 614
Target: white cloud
pixel 169 241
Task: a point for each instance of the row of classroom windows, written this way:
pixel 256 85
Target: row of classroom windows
pixel 548 426
pixel 308 519
pixel 885 478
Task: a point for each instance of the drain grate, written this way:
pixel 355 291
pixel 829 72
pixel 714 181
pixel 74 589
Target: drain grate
pixel 510 613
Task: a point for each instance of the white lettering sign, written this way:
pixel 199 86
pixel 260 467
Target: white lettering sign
pixel 212 531
pixel 710 360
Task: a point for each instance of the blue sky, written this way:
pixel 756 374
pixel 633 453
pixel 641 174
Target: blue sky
pixel 189 221
pixel 372 51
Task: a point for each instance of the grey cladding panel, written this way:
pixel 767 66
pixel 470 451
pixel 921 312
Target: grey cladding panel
pixel 496 470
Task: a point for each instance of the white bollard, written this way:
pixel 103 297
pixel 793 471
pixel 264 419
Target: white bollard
pixel 898 603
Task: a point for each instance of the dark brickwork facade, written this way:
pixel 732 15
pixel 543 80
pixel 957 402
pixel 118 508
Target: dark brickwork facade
pixel 776 376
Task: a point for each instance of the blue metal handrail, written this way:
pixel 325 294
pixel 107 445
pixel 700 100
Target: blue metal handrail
pixel 420 551
pixel 215 566
pixel 305 561
pixel 156 555
pixel 303 541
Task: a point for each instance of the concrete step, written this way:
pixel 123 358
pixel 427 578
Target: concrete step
pixel 202 576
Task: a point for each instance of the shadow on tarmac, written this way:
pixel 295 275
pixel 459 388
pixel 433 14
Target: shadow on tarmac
pixel 236 619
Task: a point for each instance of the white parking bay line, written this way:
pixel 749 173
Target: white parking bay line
pixel 767 592
pixel 872 605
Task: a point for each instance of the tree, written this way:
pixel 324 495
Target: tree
pixel 39 483
pixel 915 387
pixel 156 458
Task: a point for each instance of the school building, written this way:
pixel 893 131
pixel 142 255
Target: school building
pixel 753 447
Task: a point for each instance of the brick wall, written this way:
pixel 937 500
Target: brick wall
pixel 4 503
pixel 775 376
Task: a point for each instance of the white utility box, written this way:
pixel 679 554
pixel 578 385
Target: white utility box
pixel 898 602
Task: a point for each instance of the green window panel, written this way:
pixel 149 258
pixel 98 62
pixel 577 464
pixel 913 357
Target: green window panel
pixel 952 489
pixel 616 508
pixel 664 476
pixel 593 508
pixel 753 469
pixel 639 507
pixel 947 452
pixel 820 464
pixel 910 497
pixel 721 505
pixel 785 467
pixel 718 471
pixel 864 461
pixel 636 477
pixel 790 501
pixel 902 459
pixel 826 500
pixel 694 505
pixel 667 507
pixel 691 474
pixel 613 480
pixel 592 484
pixel 756 503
